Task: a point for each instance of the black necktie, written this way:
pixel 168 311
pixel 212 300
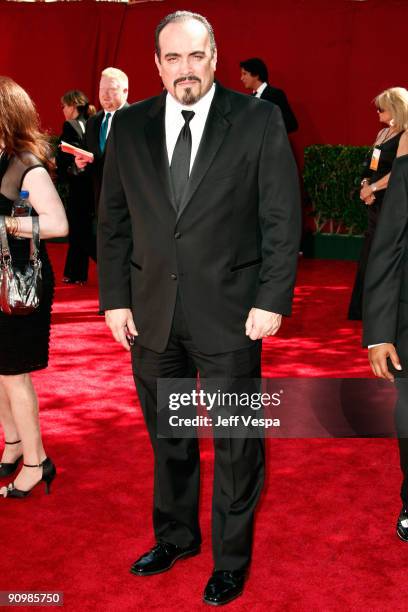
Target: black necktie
pixel 180 162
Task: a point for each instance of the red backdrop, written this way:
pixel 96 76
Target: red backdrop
pixel 330 56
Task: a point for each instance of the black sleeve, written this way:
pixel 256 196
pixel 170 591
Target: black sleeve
pixel 65 161
pixel 279 217
pixel 289 118
pixel 365 166
pixel 114 233
pixel 385 269
pixel 90 169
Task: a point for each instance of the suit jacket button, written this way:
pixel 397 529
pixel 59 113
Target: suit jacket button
pixel 173 276
pixel 177 235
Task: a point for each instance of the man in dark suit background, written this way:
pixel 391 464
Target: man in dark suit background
pixel 385 310
pixel 113 94
pixel 197 240
pixel 254 76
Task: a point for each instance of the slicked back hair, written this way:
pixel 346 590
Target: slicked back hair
pixel 256 67
pixel 184 16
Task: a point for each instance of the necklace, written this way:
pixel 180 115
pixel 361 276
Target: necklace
pixel 387 136
pixel 390 133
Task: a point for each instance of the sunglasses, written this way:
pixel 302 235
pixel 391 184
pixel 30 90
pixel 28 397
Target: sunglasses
pixel 380 110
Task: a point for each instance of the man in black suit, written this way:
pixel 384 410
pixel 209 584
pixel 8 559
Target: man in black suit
pixel 198 237
pixel 113 93
pixel 385 310
pixel 254 76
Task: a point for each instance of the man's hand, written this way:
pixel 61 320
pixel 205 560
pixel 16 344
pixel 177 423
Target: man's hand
pixel 262 323
pixel 377 357
pixel 120 322
pixel 81 162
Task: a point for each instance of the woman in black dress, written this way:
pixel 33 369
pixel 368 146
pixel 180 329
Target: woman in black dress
pixel 24 340
pixel 391 142
pixel 80 204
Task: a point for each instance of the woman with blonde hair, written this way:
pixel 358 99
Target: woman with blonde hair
pixel 24 161
pixel 391 142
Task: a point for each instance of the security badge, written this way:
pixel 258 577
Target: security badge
pixel 375 158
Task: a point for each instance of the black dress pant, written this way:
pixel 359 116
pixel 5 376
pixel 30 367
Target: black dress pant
pixel 401 421
pixel 238 463
pixel 355 312
pixel 81 238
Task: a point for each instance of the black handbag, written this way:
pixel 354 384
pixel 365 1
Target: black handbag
pixel 20 290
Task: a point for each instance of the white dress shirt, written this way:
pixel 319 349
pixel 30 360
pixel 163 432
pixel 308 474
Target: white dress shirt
pixel 258 93
pixel 111 117
pixel 174 122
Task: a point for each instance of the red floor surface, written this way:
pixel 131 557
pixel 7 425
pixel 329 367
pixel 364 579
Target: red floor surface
pixel 325 536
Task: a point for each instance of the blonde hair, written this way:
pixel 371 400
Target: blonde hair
pixel 115 73
pixel 395 101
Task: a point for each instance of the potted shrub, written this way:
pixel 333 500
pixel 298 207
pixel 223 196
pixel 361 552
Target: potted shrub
pixel 332 183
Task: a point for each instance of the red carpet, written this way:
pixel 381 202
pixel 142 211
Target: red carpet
pixel 325 528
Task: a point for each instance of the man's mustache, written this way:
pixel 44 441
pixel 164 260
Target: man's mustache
pixel 186 78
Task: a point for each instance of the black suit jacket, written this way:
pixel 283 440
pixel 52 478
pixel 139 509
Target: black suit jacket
pixel 278 97
pixel 385 304
pixel 232 245
pixel 80 193
pixel 73 132
pixel 93 126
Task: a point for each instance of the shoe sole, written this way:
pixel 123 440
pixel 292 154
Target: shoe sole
pixel 222 603
pixel 401 537
pixel 183 556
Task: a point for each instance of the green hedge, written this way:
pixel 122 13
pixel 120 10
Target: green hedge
pixel 332 175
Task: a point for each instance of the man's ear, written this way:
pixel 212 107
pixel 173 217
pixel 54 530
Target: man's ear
pixel 157 62
pixel 214 60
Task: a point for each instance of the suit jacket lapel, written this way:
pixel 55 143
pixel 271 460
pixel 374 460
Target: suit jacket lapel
pixel 156 140
pixel 96 126
pixel 216 128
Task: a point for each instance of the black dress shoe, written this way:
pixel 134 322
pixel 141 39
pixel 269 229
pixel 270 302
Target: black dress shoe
pixel 161 558
pixel 402 525
pixel 223 587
